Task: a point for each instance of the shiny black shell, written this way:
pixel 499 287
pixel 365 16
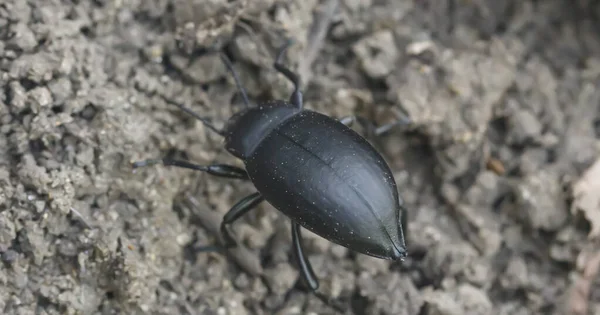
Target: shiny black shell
pixel 321 174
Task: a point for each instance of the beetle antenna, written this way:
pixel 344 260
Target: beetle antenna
pixel 238 83
pixel 204 120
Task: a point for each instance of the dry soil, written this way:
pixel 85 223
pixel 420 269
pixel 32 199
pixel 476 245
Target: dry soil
pixel 504 100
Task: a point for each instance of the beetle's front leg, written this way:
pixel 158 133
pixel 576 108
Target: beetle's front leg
pixel 296 97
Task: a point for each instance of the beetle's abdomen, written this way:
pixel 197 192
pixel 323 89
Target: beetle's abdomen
pixel 326 177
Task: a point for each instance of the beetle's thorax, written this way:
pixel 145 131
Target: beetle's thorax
pixel 247 128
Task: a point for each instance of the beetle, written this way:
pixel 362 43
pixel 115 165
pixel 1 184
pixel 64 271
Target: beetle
pixel 314 169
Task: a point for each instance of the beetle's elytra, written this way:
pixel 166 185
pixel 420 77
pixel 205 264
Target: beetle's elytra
pixel 327 178
pixel 313 168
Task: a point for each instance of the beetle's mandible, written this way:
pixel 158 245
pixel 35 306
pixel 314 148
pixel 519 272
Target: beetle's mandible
pixel 313 168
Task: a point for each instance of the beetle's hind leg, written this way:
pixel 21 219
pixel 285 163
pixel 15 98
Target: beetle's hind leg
pixel 220 170
pixel 306 272
pixel 296 98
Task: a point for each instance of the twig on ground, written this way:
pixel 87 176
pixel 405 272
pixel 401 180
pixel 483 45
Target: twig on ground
pixel 580 292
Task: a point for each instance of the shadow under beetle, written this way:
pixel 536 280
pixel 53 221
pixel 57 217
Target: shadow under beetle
pixel 313 168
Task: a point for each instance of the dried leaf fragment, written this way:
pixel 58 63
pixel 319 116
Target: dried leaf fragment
pixel 586 198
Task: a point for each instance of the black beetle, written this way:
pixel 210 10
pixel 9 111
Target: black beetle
pixel 315 169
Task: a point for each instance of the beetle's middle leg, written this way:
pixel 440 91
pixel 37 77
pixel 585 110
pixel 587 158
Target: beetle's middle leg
pixel 237 211
pixel 220 170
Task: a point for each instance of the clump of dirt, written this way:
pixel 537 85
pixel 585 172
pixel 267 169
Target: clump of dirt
pixel 504 102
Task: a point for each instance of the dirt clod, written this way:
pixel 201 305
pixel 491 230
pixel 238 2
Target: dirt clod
pixel 541 202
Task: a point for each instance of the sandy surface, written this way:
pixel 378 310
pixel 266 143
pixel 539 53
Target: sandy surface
pixel 505 103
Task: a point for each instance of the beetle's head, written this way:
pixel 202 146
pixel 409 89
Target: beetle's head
pixel 246 129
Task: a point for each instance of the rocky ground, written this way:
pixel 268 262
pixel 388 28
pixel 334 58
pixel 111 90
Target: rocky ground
pixel 496 169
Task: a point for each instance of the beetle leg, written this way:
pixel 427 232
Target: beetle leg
pixel 296 98
pixel 371 127
pixel 238 210
pixel 220 170
pixel 306 271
